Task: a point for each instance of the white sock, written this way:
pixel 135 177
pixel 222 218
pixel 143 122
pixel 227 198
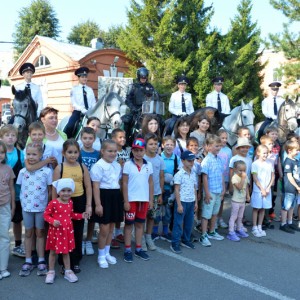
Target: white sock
pixel 254 228
pixel 101 252
pixel 107 249
pixel 28 260
pixel 259 227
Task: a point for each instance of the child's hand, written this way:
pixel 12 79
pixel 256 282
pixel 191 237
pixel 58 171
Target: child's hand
pixel 99 210
pixel 243 175
pixel 159 200
pixel 52 160
pixel 207 198
pixel 56 223
pixel 126 206
pixel 267 191
pixel 85 215
pixel 263 193
pixel 180 209
pixel 150 204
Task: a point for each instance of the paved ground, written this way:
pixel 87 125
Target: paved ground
pixel 255 268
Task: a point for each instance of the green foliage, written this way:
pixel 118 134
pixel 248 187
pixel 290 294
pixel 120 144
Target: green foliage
pixel 110 37
pixel 5 82
pixel 39 18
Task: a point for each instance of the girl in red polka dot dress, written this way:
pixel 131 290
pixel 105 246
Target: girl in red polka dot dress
pixel 60 239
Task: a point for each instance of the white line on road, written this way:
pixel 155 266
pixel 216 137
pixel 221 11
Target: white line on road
pixel 227 276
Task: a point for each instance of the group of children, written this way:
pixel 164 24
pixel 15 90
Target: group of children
pixel 53 195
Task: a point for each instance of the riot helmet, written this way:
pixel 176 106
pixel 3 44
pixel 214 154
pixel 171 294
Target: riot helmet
pixel 142 73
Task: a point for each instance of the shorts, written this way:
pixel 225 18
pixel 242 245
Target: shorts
pixel 33 220
pixel 137 213
pixel 257 201
pixel 155 211
pixel 211 209
pixel 18 216
pixel 289 201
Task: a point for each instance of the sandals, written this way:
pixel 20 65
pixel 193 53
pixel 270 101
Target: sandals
pixel 50 277
pixel 26 269
pixel 42 268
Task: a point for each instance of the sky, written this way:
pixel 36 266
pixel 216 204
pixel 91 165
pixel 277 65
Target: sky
pixel 113 12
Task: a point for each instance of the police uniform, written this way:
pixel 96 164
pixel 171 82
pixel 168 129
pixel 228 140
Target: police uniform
pixel 212 98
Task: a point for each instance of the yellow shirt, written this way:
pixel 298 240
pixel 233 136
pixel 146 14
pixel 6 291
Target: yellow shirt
pixel 76 174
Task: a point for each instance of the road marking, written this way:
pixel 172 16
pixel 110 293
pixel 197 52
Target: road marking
pixel 225 275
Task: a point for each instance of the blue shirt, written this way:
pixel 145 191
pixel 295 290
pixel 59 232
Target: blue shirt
pixel 89 158
pixel 169 166
pixel 213 168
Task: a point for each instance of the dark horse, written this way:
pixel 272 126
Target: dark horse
pixel 25 112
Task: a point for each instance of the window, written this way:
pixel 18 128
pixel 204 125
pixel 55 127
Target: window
pixel 42 61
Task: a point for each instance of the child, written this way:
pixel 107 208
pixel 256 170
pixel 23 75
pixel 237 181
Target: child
pixel 291 181
pixel 88 156
pixel 94 123
pixel 138 196
pixel 244 132
pixel 158 166
pixel 7 209
pixel 151 125
pixel 172 163
pixel 240 195
pixel 261 198
pixel 181 133
pixel 82 196
pixel 185 205
pixel 214 189
pixel 15 159
pixel 106 175
pixel 60 238
pixel 201 132
pixel 225 154
pixel 34 196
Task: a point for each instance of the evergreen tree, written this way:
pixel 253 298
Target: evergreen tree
pixel 39 18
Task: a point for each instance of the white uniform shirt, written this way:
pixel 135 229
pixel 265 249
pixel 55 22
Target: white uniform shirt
pixel 267 106
pixel 175 106
pixel 77 98
pixel 212 100
pixel 36 94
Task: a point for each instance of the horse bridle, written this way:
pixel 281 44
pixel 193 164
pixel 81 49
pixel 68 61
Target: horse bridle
pixel 287 120
pixel 113 114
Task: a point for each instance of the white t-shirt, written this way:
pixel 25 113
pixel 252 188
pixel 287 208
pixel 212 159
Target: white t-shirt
pixel 264 171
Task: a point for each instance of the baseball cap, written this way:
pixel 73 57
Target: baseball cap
pixel 138 143
pixel 187 155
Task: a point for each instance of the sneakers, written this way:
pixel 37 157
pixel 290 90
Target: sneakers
pixel 144 245
pixel 286 228
pixel 215 236
pixel 70 276
pixel 256 232
pixel 83 248
pixel 294 227
pixel 50 277
pixel 166 237
pixel 187 244
pixel 175 248
pixel 241 233
pixel 150 244
pixel 115 244
pixel 222 224
pixel 128 256
pixel 155 237
pixel 141 254
pixel 26 269
pixel 262 232
pixel 102 262
pixel 18 251
pixel 232 236
pixel 89 250
pixel 204 240
pixel 4 274
pixel 41 268
pixel 198 228
pixel 110 259
pixel 120 238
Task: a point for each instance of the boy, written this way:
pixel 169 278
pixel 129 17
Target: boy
pixel 244 132
pixel 214 189
pixel 185 205
pixel 88 156
pixel 119 136
pixel 15 159
pixel 158 166
pixel 138 196
pixel 291 182
pixel 172 162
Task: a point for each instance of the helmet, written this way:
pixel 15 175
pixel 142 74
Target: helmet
pixel 142 73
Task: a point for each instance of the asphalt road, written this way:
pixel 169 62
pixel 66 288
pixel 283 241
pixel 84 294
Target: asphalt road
pixel 255 268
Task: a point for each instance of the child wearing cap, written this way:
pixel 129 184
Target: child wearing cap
pixel 138 196
pixel 185 204
pixel 214 189
pixel 82 98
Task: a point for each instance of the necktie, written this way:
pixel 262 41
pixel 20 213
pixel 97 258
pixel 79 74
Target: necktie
pixel 183 104
pixel 219 103
pixel 85 98
pixel 28 86
pixel 275 107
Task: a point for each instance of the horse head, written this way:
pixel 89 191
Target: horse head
pixel 287 115
pixel 247 116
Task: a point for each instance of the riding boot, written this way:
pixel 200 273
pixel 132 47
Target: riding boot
pixel 262 128
pixel 171 125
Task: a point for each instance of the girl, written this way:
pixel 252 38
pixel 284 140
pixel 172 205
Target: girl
pixel 181 133
pixel 34 196
pixel 151 125
pixel 60 238
pixel 202 131
pixel 94 123
pixel 240 195
pixel 81 198
pixel 7 209
pixel 261 198
pixel 106 174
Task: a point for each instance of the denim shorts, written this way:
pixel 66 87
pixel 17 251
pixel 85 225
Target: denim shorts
pixel 33 220
pixel 211 209
pixel 289 201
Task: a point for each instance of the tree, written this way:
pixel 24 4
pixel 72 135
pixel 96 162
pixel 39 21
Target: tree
pixel 287 41
pixel 37 19
pixel 110 37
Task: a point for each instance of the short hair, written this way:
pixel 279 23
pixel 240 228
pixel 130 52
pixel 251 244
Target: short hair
pixel 8 128
pixel 70 142
pixel 221 131
pixel 291 135
pixel 115 132
pixel 150 136
pixel 180 122
pixel 264 139
pixel 47 110
pixel 168 138
pixel 2 144
pixel 36 126
pixel 241 128
pixel 260 148
pixel 38 146
pixel 88 130
pixel 290 145
pixel 90 119
pixel 192 139
pixel 212 139
pixel 271 129
pixel 239 163
pixel 107 142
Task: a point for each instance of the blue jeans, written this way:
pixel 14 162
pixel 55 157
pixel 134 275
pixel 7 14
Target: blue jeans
pixel 183 223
